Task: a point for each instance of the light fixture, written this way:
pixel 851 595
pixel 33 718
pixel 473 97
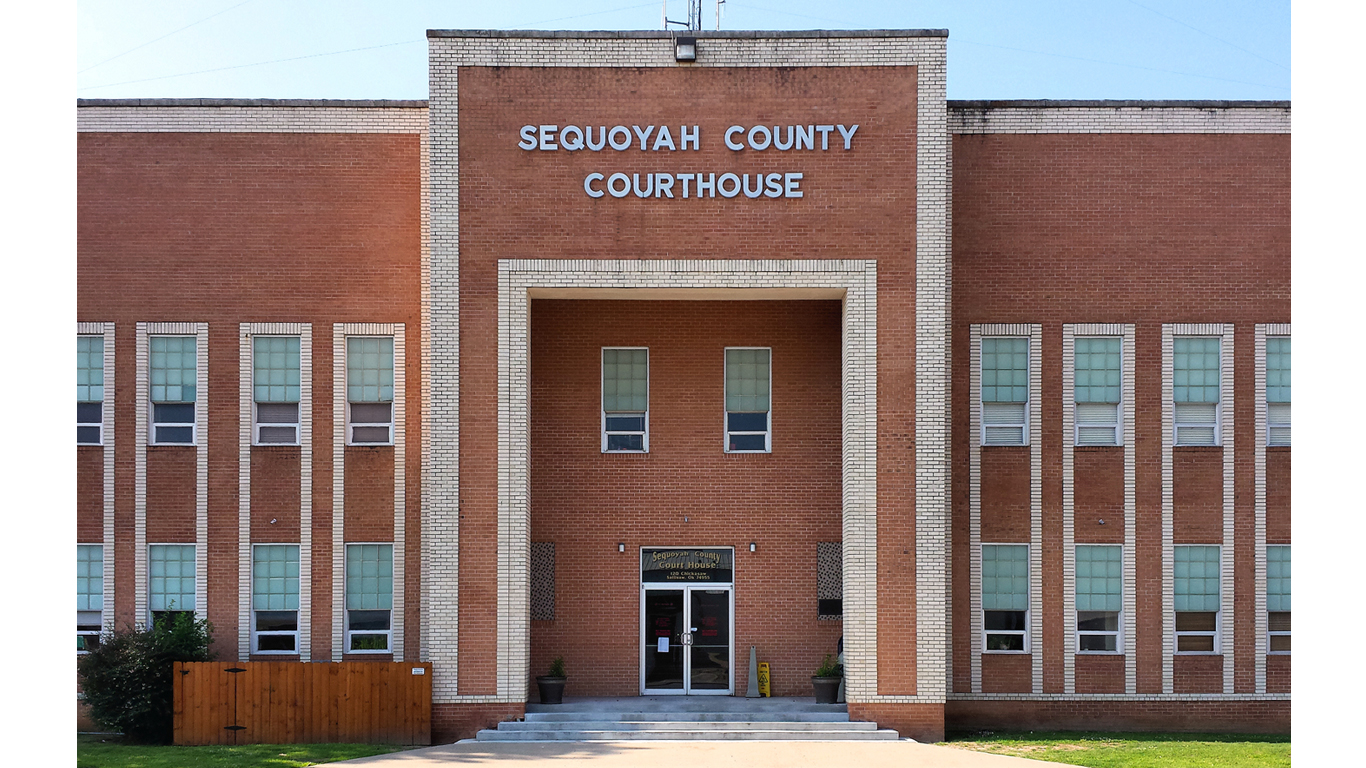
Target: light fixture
pixel 621 546
pixel 685 49
pixel 753 547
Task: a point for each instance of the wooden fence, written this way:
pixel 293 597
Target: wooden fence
pixel 283 702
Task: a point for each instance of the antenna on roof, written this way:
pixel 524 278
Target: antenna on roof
pixel 694 22
pixel 719 3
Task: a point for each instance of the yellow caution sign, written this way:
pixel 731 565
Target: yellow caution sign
pixel 763 679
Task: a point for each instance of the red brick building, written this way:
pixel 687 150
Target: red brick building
pixel 637 360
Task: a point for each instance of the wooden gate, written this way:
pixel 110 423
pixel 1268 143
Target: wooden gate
pixel 289 702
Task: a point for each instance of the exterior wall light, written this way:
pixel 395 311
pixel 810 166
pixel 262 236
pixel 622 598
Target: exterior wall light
pixel 685 49
pixel 621 546
pixel 753 547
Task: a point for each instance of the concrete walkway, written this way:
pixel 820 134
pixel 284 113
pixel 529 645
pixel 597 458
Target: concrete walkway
pixel 713 754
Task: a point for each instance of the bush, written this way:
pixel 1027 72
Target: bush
pixel 127 679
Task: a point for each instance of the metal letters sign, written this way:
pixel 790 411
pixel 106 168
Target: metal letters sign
pixel 687 564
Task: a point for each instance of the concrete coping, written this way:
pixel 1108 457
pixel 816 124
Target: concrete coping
pixel 350 103
pixel 652 34
pixel 985 104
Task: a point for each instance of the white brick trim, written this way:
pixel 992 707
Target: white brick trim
pixel 858 281
pixel 967 118
pixel 339 333
pixel 441 491
pixel 1033 332
pixel 245 363
pixel 1070 332
pixel 1263 330
pixel 1226 587
pixel 1109 697
pixel 201 414
pixel 106 331
pixel 249 119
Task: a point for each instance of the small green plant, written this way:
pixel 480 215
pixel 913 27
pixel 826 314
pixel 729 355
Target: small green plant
pixel 557 667
pixel 829 668
pixel 369 643
pixel 127 678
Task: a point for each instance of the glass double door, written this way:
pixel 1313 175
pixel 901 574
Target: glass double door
pixel 686 640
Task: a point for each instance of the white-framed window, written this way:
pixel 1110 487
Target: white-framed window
pixel 89 390
pixel 274 598
pixel 625 400
pixel 1278 598
pixel 173 371
pixel 1005 598
pixel 171 582
pixel 1099 598
pixel 370 390
pixel 89 596
pixel 1005 390
pixel 275 390
pixel 749 392
pixel 1097 390
pixel 1278 393
pixel 1195 587
pixel 369 597
pixel 1195 389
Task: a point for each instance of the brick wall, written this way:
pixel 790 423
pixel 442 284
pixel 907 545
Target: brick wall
pixel 1148 229
pixel 686 491
pixel 849 211
pixel 226 228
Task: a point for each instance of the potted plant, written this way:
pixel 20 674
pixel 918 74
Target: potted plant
pixel 552 685
pixel 826 681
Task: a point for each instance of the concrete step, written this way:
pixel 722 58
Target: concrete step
pixel 683 725
pixel 688 704
pixel 752 734
pixel 757 717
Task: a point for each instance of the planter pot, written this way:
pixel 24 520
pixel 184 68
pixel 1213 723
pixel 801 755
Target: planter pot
pixel 552 689
pixel 827 689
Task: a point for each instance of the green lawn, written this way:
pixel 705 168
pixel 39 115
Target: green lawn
pixel 1134 750
pixel 111 752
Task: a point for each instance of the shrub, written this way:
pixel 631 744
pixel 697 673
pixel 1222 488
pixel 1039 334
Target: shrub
pixel 127 679
pixel 557 667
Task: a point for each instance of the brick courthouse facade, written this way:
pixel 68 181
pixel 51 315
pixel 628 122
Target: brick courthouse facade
pixel 779 342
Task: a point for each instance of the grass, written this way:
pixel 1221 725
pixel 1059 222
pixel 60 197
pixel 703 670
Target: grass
pixel 94 751
pixel 1134 750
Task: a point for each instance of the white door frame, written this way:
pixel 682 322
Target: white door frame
pixel 686 588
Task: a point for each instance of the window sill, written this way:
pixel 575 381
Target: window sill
pixel 274 655
pixel 1198 448
pixel 1096 448
pixel 1006 653
pixel 1197 653
pixel 1099 653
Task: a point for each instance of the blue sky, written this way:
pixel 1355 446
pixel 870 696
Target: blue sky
pixel 1070 49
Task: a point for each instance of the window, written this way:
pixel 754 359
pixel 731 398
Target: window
pixel 1278 598
pixel 174 369
pixel 275 598
pixel 1278 393
pixel 1005 391
pixel 89 596
pixel 171 586
pixel 1097 390
pixel 625 400
pixel 1196 590
pixel 748 400
pixel 1100 597
pixel 370 389
pixel 90 390
pixel 1195 388
pixel 369 597
pixel 1005 597
pixel 275 389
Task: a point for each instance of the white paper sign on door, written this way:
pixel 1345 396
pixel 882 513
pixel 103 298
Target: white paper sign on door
pixel 663 645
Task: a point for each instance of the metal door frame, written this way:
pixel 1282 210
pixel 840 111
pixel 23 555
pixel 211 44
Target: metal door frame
pixel 686 589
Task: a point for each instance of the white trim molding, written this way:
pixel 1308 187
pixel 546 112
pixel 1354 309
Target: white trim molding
pixel 1070 332
pixel 106 331
pixel 1263 330
pixel 201 439
pixel 245 367
pixel 1033 332
pixel 1226 588
pixel 340 331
